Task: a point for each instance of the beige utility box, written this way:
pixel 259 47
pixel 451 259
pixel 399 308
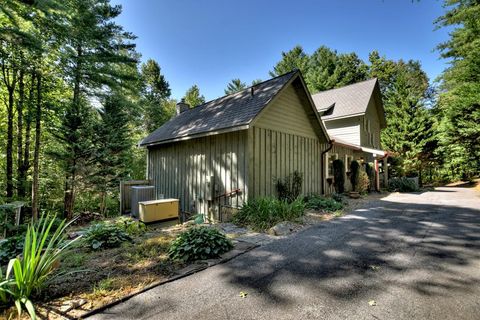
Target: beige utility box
pixel 157 210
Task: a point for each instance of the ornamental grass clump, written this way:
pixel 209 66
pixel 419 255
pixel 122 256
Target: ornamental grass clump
pixel 199 243
pixel 263 213
pixel 43 247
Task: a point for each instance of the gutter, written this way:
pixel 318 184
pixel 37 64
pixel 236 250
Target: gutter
pixel 331 142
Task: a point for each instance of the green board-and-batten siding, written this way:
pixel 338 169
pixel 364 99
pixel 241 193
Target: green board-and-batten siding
pixel 184 169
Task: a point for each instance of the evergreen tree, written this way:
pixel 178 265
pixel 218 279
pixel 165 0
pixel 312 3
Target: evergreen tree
pixel 193 96
pixel 96 49
pixel 156 91
pixel 234 86
pixel 112 147
pixel 459 102
pixel 295 59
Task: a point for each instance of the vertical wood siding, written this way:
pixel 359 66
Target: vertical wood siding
pixel 277 154
pixel 181 170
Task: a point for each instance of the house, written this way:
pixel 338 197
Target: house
pixel 354 116
pixel 217 155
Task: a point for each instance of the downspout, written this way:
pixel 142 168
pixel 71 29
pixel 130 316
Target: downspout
pixel 323 163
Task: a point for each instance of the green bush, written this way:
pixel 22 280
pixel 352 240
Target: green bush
pixel 289 188
pixel 354 174
pixel 322 203
pixel 105 235
pixel 402 184
pixel 131 226
pixel 43 247
pixel 339 176
pixel 363 185
pixel 263 213
pixel 199 243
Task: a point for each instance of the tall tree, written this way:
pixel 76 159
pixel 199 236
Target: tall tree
pixel 410 131
pixel 234 86
pixel 295 59
pixel 95 50
pixel 193 96
pixel 156 91
pixel 459 101
pixel 112 146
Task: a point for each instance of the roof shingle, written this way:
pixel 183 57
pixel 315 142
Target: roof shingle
pixel 346 101
pixel 233 110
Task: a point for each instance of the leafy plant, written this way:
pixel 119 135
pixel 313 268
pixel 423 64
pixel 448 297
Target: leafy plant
pixel 199 243
pixel 402 184
pixel 105 235
pixel 7 219
pixel 131 226
pixel 354 174
pixel 338 197
pixel 290 187
pixel 42 250
pixel 338 176
pixel 322 203
pixel 11 248
pixel 263 213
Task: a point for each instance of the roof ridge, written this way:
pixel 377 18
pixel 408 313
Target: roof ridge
pixel 345 86
pixel 235 93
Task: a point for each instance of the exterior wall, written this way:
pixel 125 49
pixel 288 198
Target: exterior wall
pixel 282 140
pixel 370 127
pixel 347 129
pixel 276 154
pixel 287 114
pixel 185 170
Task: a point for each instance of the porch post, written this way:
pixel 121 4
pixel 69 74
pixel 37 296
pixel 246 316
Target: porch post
pixel 385 171
pixel 377 176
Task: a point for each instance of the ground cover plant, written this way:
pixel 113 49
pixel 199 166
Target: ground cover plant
pixel 402 184
pixel 199 243
pixel 263 213
pixel 106 235
pixel 316 202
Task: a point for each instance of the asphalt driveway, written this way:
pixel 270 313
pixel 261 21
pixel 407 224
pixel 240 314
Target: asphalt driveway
pixel 416 256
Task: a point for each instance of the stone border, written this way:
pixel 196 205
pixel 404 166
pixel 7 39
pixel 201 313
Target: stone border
pixel 240 248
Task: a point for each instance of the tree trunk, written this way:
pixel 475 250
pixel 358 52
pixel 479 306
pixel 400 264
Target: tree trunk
pixel 36 154
pixel 20 172
pixel 69 200
pixel 28 124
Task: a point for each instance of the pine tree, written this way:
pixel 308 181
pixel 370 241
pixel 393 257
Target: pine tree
pixel 156 91
pixel 193 96
pixel 112 146
pixel 459 102
pixel 295 59
pixel 234 86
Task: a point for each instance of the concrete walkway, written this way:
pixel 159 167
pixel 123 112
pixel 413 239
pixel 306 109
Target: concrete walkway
pixel 412 256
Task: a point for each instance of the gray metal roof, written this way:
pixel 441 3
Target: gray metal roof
pixel 345 101
pixel 228 112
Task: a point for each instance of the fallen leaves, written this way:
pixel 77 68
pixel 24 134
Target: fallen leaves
pixel 372 303
pixel 243 294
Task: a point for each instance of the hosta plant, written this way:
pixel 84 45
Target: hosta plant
pixel 105 235
pixel 199 243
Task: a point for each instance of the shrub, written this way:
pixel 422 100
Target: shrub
pixel 105 235
pixel 354 173
pixel 338 197
pixel 199 243
pixel 402 184
pixel 323 203
pixel 363 185
pixel 338 176
pixel 289 188
pixel 370 175
pixel 42 249
pixel 263 213
pixel 131 226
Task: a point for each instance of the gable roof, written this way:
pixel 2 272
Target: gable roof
pixel 229 113
pixel 347 101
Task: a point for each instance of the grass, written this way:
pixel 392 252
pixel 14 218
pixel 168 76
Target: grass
pixel 263 213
